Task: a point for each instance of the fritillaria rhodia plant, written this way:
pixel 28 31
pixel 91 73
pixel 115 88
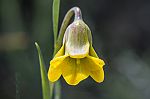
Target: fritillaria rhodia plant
pixel 74 56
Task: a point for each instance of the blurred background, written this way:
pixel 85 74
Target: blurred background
pixel 121 36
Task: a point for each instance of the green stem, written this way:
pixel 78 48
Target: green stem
pixel 57 90
pixel 78 15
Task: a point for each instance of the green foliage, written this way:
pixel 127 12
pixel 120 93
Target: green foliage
pixel 45 82
pixel 47 87
pixel 56 4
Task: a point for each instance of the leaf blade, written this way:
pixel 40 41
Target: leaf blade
pixel 45 81
pixel 56 5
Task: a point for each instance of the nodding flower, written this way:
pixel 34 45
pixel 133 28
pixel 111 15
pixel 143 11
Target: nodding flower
pixel 76 59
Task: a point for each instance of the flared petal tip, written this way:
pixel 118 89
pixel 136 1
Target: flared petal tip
pixel 51 79
pixel 100 80
pixel 102 62
pixel 98 75
pixel 74 82
pixel 54 75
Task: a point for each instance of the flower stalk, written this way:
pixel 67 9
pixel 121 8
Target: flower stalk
pixel 77 15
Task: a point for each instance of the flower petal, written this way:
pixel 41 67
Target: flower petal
pixel 61 52
pixel 54 74
pixel 74 71
pixel 76 38
pixel 92 52
pixel 98 75
pixel 55 71
pixel 92 63
pixel 95 61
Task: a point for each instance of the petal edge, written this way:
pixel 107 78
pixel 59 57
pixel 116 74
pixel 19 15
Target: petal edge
pixel 98 75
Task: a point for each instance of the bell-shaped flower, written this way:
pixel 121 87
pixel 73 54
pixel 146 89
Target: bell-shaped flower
pixel 76 59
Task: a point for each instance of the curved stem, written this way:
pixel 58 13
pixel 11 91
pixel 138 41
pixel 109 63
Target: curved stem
pixel 77 12
pixel 78 15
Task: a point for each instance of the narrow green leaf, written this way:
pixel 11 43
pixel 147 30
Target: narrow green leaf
pixel 45 81
pixel 56 4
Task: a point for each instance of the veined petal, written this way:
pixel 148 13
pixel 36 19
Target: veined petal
pixel 92 63
pixel 76 39
pixel 98 75
pixel 74 71
pixel 55 69
pixel 96 61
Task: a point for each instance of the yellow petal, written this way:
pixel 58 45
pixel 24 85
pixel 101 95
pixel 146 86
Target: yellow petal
pixel 98 75
pixel 92 52
pixel 95 61
pixel 61 52
pixel 74 71
pixel 58 60
pixel 92 63
pixel 55 71
pixel 54 74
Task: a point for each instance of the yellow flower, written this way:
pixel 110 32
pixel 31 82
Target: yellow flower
pixel 76 59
